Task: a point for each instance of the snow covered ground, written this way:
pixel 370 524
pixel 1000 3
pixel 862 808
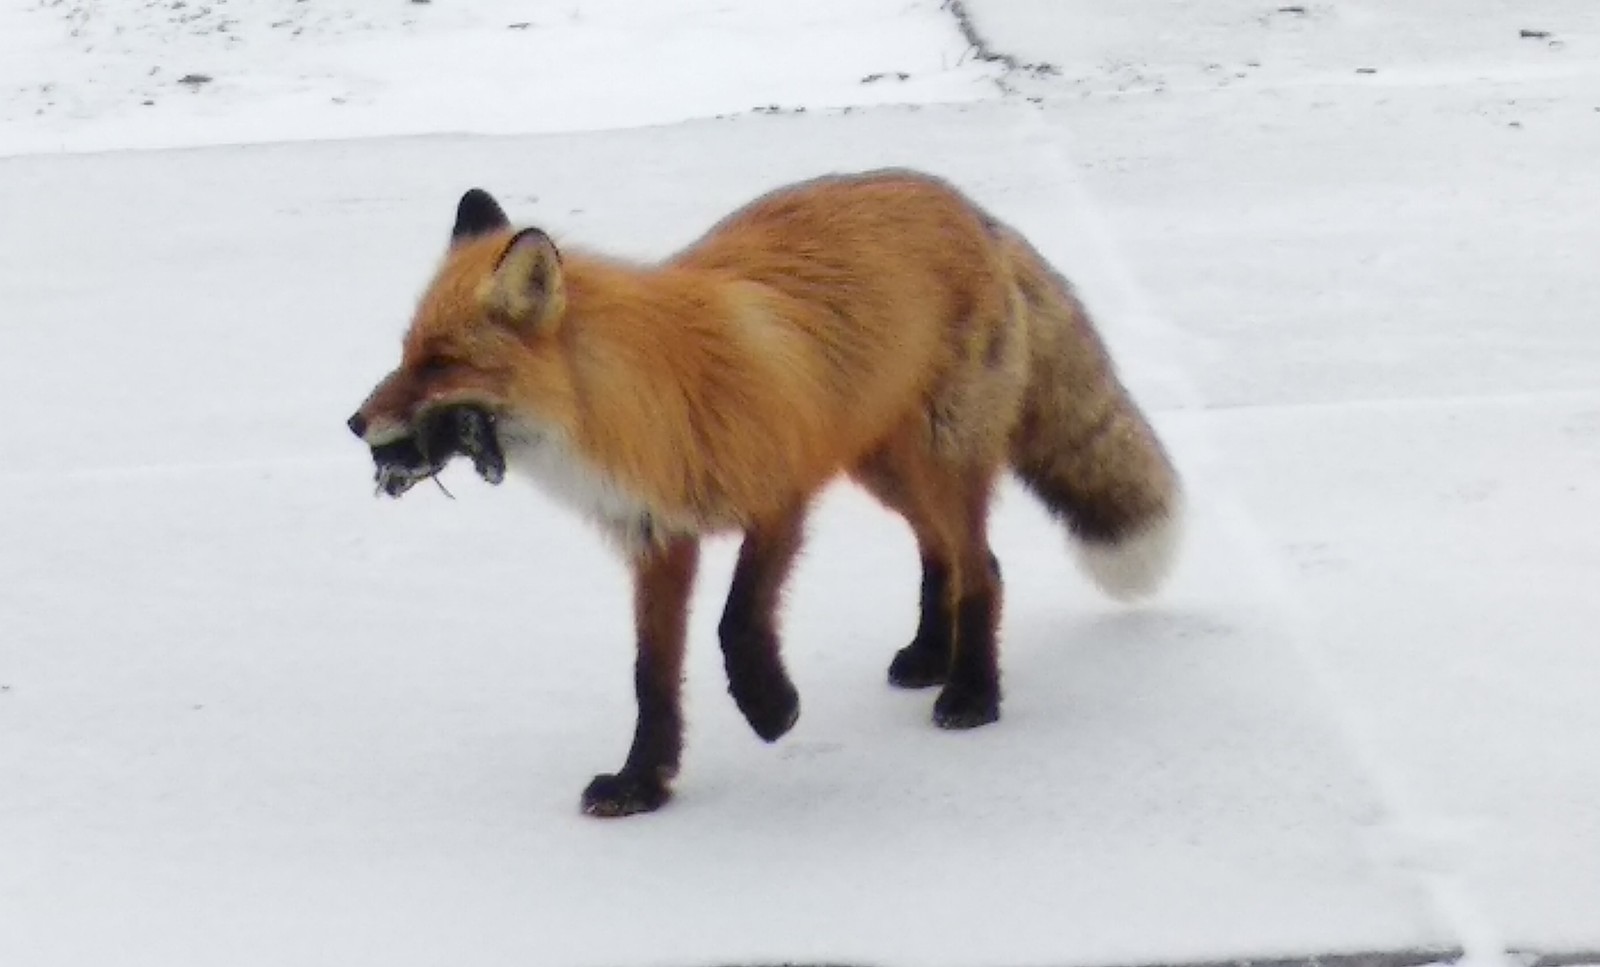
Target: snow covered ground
pixel 90 74
pixel 249 715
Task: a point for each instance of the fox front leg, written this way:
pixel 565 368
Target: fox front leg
pixel 749 628
pixel 663 578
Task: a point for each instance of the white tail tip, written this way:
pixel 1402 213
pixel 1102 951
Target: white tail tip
pixel 1135 566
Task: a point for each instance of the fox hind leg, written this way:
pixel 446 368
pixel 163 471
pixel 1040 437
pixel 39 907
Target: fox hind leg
pixel 971 697
pixel 926 661
pixel 956 640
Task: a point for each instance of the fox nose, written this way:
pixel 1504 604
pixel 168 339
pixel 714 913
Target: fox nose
pixel 357 425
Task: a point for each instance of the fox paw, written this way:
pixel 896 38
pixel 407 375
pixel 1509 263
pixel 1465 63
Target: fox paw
pixel 772 708
pixel 965 708
pixel 611 796
pixel 919 666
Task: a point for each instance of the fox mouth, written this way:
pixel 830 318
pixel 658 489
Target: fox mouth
pixel 432 442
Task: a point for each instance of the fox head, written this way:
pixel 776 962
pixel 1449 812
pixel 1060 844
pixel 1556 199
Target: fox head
pixel 481 352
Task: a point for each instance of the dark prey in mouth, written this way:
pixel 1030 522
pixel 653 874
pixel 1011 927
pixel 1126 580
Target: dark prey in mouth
pixel 435 439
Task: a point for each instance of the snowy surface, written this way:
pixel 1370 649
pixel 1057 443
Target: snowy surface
pixel 1391 281
pixel 87 75
pixel 250 715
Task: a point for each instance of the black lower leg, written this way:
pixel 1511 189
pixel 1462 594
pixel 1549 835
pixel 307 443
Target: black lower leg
pixel 641 786
pixel 926 661
pixel 971 697
pixel 758 683
pixel 662 586
pixel 751 652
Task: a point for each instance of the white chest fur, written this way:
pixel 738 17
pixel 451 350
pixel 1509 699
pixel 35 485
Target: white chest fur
pixel 573 481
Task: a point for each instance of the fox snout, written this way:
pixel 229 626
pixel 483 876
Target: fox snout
pixel 358 425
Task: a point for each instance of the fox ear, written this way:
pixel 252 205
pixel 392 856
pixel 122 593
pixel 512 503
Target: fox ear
pixel 526 288
pixel 477 214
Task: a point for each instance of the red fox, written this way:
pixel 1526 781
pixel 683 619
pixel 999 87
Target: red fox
pixel 878 326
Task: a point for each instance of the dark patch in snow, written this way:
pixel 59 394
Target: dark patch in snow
pixel 984 51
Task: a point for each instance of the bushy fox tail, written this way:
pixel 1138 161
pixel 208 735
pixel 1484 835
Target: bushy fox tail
pixel 1084 448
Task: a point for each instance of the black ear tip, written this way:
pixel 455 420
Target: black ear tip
pixel 478 213
pixel 478 206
